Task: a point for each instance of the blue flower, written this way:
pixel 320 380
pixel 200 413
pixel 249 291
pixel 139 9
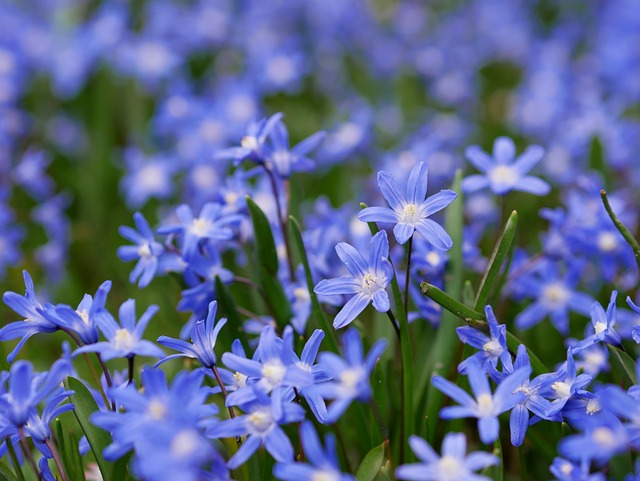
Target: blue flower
pixel 204 334
pixel 410 213
pixel 270 371
pixel 84 320
pixel 33 312
pixel 368 281
pixel 323 462
pixel 262 425
pixel 454 465
pixel 349 376
pixel 28 389
pixel 503 172
pixel 252 145
pixel 285 161
pixel 124 340
pixel 486 406
pixel 491 348
pixel 146 250
pixel 565 470
pixel 211 224
pixel 603 326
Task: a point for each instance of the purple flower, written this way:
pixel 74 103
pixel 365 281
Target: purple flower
pixel 410 213
pixel 368 280
pixel 502 171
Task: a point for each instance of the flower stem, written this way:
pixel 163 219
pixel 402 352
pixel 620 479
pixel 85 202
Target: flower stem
pixel 131 364
pixel 56 458
pixel 107 377
pixel 27 452
pixel 394 322
pixel 407 276
pixel 622 228
pixel 232 412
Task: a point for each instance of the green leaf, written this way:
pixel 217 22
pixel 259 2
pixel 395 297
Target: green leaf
pixel 85 406
pixel 6 474
pixel 498 256
pixel 14 459
pixel 468 296
pixel 66 450
pixel 268 265
pixel 228 307
pixel 623 365
pixel 316 309
pixel 371 464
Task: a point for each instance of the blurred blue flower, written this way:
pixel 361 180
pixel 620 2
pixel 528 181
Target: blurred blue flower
pixel 322 461
pixel 285 160
pixel 146 250
pixel 454 465
pixel 502 171
pixel 602 324
pixel 349 375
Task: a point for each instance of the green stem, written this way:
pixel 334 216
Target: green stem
pixel 621 227
pixel 407 276
pixel 27 452
pixel 394 322
pixel 56 459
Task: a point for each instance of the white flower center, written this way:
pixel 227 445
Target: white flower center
pixel 371 284
pixel 326 476
pixel 123 340
pixel 184 443
pixel 157 409
pixel 231 198
pixel 177 106
pixel 600 327
pixel 593 406
pixel 350 378
pixel 211 131
pixel 594 359
pixel 301 294
pixel 151 177
pixel 241 379
pixel 555 295
pixel 562 389
pixel 261 420
pixel 493 347
pixel 200 227
pixel 84 315
pixel 450 469
pixel 410 214
pixel 485 405
pixel 503 174
pixel 249 142
pixel 144 250
pixel 604 437
pixel 433 258
pixel 607 242
pixel 566 468
pixel 273 372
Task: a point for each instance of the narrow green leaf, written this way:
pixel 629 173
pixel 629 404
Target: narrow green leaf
pixel 371 464
pixel 316 309
pixel 496 260
pixel 268 265
pixel 621 228
pixel 14 459
pixel 85 406
pixel 623 365
pixel 444 351
pixel 66 451
pixel 468 296
pixel 6 474
pixel 120 471
pixel 76 459
pixel 227 304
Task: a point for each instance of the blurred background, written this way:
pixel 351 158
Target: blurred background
pixel 111 107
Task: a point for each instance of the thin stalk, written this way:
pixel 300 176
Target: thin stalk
pixel 622 228
pixel 56 458
pixel 394 322
pixel 107 377
pixel 247 313
pixel 131 364
pixel 342 445
pixel 282 221
pixel 232 412
pixel 27 452
pixel 407 276
pixel 383 429
pixel 14 459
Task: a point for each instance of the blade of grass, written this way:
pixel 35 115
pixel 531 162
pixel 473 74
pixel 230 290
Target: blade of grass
pixel 622 228
pixel 498 256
